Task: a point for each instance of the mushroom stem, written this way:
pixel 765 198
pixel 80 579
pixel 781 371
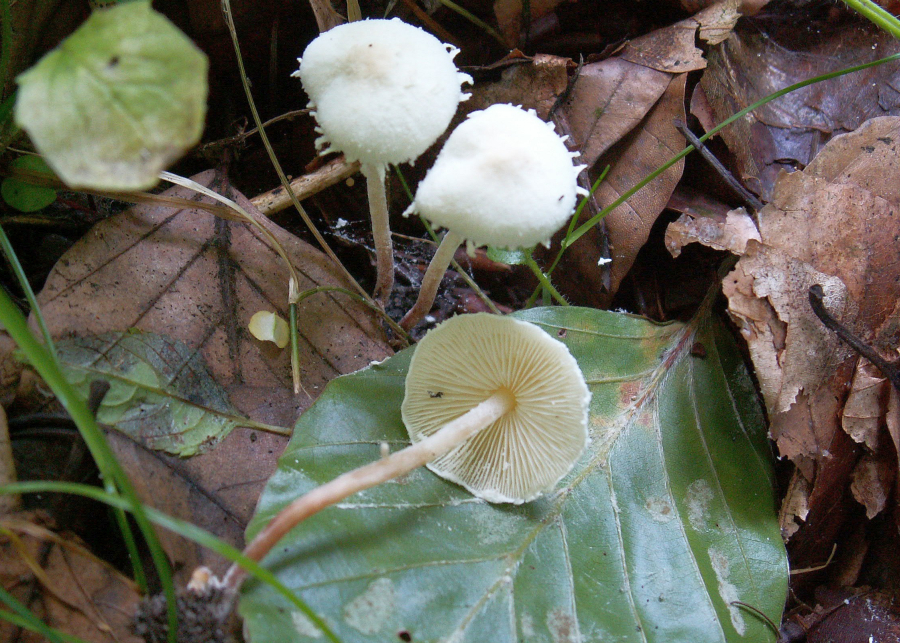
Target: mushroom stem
pixel 442 441
pixel 381 231
pixel 432 279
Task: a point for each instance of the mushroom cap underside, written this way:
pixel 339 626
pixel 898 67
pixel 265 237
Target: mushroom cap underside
pixel 464 361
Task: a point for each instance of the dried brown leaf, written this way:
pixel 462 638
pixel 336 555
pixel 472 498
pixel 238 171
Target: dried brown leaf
pixel 864 410
pixel 832 224
pixel 730 233
pixel 533 84
pixel 608 100
pixel 762 57
pixel 65 585
pixel 509 16
pixel 872 482
pixel 790 349
pixel 647 147
pixel 672 49
pixel 198 279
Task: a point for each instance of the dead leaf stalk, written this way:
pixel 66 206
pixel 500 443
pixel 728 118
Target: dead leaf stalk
pixel 891 370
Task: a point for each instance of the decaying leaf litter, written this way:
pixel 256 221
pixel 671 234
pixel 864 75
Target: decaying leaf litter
pixel 832 416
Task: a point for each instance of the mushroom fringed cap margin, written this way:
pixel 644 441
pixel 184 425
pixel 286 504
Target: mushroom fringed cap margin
pixel 503 178
pixel 466 359
pixel 382 91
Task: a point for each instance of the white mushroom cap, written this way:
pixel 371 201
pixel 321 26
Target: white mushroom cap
pixel 466 359
pixel 383 90
pixel 503 178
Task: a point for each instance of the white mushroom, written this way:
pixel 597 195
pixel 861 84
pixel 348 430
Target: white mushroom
pixel 492 403
pixel 469 360
pixel 382 92
pixel 504 178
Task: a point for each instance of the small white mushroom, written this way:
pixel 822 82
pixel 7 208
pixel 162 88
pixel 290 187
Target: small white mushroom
pixel 382 92
pixel 492 403
pixel 471 360
pixel 504 178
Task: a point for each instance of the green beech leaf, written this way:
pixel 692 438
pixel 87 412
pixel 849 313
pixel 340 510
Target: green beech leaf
pixel 117 101
pixel 665 521
pixel 161 392
pixel 24 196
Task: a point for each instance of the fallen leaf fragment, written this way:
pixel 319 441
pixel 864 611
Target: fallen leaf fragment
pixel 633 158
pixel 534 83
pixel 672 49
pixel 65 585
pixel 608 100
pixel 196 279
pixel 509 16
pixel 864 409
pixel 873 481
pixel 731 234
pixel 790 348
pixel 834 224
pixel 763 56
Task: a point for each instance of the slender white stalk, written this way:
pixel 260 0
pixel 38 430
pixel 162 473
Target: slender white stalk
pixel 393 466
pixel 381 232
pixel 432 279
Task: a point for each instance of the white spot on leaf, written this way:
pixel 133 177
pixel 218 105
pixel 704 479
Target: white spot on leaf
pixel 304 626
pixel 698 498
pixel 727 590
pixel 370 611
pixel 660 509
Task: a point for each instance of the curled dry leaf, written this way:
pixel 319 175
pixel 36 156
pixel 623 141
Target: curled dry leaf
pixel 197 279
pixel 764 56
pixel 533 83
pixel 672 49
pixel 640 152
pixel 68 587
pixel 833 224
pixel 872 482
pixel 731 232
pixel 863 411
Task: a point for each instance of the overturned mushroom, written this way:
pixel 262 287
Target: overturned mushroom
pixel 492 403
pixel 382 91
pixel 504 178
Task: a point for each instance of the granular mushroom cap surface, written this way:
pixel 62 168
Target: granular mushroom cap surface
pixel 503 178
pixel 383 91
pixel 464 361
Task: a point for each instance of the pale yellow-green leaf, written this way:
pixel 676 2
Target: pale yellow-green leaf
pixel 118 100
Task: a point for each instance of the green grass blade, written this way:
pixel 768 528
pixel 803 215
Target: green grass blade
pixel 25 618
pixel 114 477
pixel 877 15
pixel 13 260
pixel 583 229
pixel 182 528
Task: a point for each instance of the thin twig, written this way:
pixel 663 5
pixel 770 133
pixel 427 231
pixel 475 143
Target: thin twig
pixel 748 197
pixel 891 370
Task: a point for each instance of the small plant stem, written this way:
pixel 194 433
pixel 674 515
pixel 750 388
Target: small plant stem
pixel 877 15
pixel 381 232
pixel 375 473
pixel 545 281
pixel 434 237
pixel 432 279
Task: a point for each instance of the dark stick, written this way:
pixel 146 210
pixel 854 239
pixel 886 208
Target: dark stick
pixel 748 197
pixel 891 370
